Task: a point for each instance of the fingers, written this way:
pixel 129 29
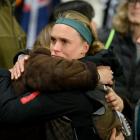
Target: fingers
pixel 110 81
pixel 114 101
pixel 18 68
pixel 21 62
pixel 116 136
pixel 26 57
pixel 120 137
pixel 14 73
pixel 114 105
pixel 113 135
pixel 106 75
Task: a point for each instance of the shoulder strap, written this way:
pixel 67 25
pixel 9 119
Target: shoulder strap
pixel 110 38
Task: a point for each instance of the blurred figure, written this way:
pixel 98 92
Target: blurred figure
pixel 77 5
pixel 35 15
pixel 12 37
pixel 109 11
pixel 12 40
pixel 126 46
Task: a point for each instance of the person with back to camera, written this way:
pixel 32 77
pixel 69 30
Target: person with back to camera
pixel 13 40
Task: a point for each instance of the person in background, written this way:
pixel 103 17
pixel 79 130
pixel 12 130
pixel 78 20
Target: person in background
pixel 77 5
pixel 34 16
pixel 12 37
pixel 125 44
pixel 13 40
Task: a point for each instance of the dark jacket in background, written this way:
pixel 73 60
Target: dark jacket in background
pixel 125 51
pixel 12 40
pixel 12 37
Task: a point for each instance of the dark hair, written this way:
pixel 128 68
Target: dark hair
pixel 7 2
pixel 133 0
pixel 80 6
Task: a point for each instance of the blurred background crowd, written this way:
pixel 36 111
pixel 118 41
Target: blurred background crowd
pixel 33 15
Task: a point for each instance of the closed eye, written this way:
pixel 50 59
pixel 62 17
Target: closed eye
pixel 64 41
pixel 53 40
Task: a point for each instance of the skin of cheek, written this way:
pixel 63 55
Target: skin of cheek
pixel 134 13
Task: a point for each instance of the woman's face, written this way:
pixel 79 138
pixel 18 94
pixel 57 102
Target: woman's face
pixel 134 12
pixel 66 42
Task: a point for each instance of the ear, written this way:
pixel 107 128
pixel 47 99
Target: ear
pixel 85 47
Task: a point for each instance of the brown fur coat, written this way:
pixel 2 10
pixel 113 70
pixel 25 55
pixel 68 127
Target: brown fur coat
pixel 45 73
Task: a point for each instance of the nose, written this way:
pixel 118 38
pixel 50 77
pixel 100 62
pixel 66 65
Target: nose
pixel 56 47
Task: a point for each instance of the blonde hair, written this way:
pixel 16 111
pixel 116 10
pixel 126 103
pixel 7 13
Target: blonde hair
pixel 43 40
pixel 96 46
pixel 120 21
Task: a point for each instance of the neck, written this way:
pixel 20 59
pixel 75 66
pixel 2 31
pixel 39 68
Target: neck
pixel 135 28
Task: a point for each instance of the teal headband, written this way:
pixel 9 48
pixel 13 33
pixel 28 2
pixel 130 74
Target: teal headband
pixel 78 26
